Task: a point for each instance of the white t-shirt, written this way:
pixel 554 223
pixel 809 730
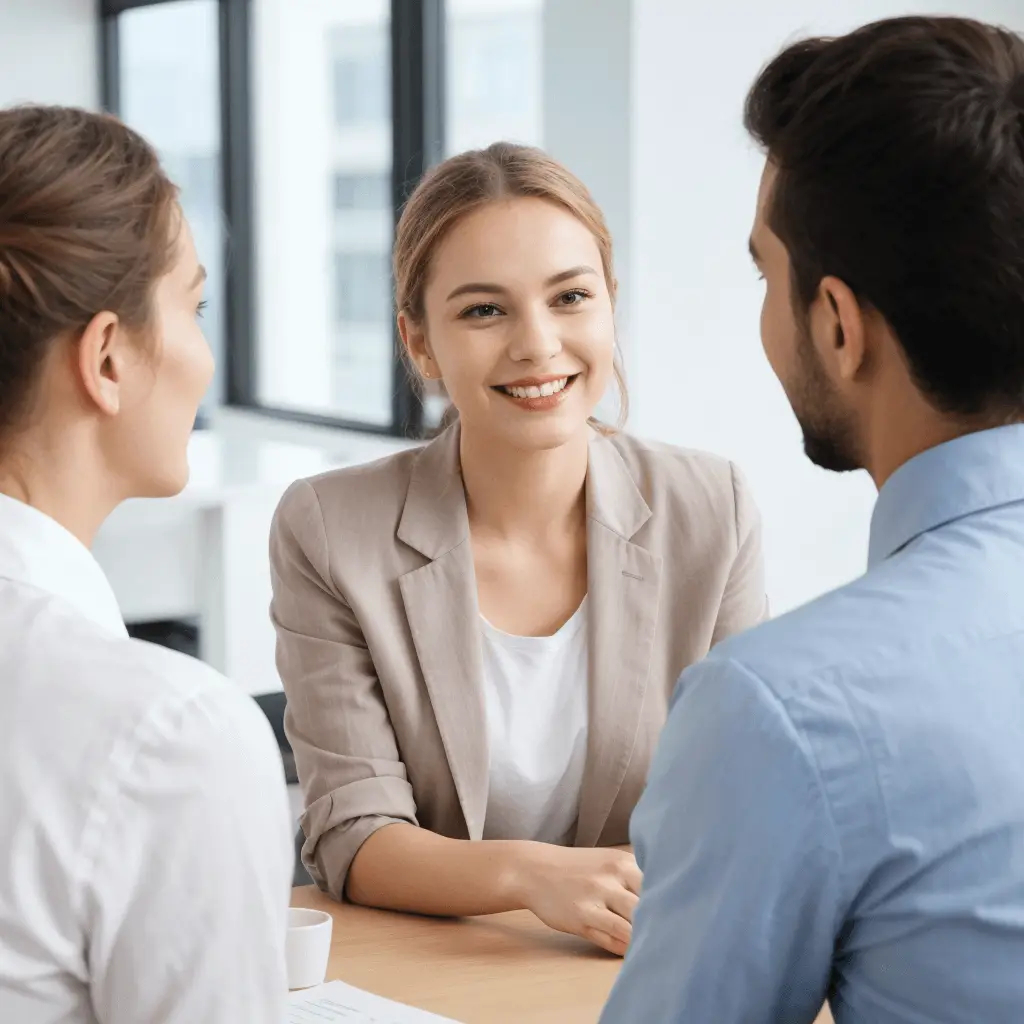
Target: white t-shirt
pixel 535 695
pixel 145 841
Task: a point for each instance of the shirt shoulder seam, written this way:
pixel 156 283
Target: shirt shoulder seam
pixel 120 762
pixel 807 749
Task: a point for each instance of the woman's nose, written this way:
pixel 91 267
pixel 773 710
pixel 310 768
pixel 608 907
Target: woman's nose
pixel 535 340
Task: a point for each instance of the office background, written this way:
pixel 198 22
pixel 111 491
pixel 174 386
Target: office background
pixel 296 126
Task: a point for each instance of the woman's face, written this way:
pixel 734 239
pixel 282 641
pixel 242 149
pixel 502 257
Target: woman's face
pixel 519 323
pixel 166 384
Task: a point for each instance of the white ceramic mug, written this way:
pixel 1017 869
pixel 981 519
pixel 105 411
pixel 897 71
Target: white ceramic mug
pixel 307 947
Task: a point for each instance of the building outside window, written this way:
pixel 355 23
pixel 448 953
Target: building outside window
pixel 494 73
pixel 322 120
pixel 318 335
pixel 169 89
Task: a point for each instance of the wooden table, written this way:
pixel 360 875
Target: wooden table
pixel 504 969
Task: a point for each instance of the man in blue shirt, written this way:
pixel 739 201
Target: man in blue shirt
pixel 836 810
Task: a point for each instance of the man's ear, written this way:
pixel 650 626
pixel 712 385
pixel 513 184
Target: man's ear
pixel 839 329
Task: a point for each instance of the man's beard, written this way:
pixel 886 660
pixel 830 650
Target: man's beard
pixel 829 436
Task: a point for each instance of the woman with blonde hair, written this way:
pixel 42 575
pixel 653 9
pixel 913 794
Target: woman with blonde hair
pixel 479 639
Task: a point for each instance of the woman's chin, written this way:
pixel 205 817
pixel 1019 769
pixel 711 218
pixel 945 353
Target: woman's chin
pixel 543 432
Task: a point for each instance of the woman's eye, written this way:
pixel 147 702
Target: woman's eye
pixel 482 311
pixel 573 297
pixel 199 309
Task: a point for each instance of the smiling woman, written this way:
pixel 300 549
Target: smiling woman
pixel 579 229
pixel 479 639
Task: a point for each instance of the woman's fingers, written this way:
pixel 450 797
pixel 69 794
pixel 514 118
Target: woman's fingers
pixel 613 926
pixel 633 878
pixel 610 926
pixel 609 943
pixel 622 902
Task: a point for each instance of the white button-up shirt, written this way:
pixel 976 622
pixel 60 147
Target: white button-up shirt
pixel 145 840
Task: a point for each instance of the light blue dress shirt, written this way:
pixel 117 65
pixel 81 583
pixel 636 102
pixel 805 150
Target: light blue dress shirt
pixel 836 809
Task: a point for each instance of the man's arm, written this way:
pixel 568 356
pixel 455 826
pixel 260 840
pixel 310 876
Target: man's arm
pixel 186 907
pixel 740 904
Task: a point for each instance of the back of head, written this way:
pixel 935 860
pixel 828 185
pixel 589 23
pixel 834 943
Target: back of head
pixel 900 157
pixel 86 225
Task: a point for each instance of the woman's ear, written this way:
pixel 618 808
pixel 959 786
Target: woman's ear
pixel 101 358
pixel 414 338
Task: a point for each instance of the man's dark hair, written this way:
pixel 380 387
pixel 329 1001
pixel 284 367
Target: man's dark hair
pixel 900 158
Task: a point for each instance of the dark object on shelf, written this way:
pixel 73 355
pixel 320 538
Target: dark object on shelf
pixel 178 635
pixel 273 705
pixel 291 776
pixel 301 876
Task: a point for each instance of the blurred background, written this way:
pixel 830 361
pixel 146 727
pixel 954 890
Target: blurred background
pixel 296 128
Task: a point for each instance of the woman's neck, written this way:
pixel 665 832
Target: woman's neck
pixel 516 493
pixel 60 483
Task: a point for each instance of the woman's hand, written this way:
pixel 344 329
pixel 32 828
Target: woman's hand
pixel 585 892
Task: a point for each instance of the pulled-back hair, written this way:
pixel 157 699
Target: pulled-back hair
pixel 86 226
pixel 464 183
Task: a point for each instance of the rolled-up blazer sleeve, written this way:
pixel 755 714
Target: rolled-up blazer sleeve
pixel 336 720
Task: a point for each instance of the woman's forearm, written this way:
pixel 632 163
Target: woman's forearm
pixel 402 867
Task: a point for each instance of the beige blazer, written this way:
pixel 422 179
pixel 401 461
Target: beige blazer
pixel 379 647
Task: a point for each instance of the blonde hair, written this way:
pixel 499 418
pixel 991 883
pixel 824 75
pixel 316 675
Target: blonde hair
pixel 464 183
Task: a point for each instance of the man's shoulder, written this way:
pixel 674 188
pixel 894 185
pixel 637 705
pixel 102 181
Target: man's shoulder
pixel 852 631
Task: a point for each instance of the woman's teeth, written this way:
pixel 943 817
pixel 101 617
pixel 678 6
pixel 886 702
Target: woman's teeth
pixel 551 387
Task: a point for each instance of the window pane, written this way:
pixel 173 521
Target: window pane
pixel 360 90
pixel 363 286
pixel 493 56
pixel 170 92
pixel 322 120
pixel 361 191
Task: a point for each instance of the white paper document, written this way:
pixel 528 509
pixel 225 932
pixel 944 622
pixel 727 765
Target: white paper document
pixel 337 1001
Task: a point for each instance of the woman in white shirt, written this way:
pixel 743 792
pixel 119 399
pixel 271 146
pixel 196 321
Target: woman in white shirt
pixel 144 849
pixel 479 639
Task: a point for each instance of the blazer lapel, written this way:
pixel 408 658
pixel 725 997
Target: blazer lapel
pixel 441 605
pixel 623 590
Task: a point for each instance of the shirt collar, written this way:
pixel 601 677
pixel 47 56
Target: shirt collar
pixel 969 474
pixel 38 551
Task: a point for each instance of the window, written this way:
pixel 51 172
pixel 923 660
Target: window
pixel 296 129
pixel 168 88
pixel 362 192
pixel 360 69
pixel 494 72
pixel 323 146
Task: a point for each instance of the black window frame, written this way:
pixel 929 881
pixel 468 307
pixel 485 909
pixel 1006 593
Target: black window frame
pixel 417 127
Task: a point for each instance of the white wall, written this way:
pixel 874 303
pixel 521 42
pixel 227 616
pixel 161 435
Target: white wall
pixel 49 52
pixel 697 373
